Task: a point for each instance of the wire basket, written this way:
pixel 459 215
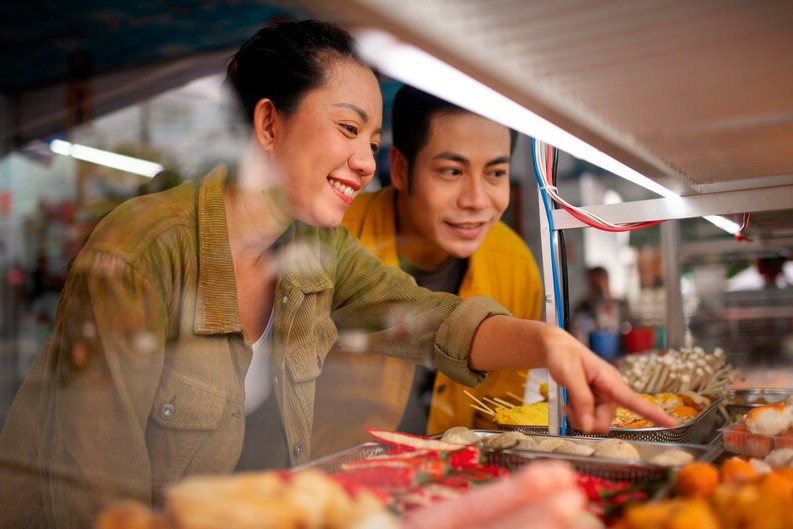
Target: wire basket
pixel 694 431
pixel 604 467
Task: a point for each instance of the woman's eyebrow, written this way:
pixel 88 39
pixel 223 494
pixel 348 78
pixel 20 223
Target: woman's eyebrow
pixel 358 110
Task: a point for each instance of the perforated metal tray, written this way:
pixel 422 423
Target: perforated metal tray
pixel 604 467
pixel 694 431
pixel 607 468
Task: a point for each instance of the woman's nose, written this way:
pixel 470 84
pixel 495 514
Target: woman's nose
pixel 363 163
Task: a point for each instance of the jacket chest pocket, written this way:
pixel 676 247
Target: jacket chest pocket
pixel 306 360
pixel 184 415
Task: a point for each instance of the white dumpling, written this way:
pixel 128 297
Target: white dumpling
pixel 549 444
pixel 672 458
pixel 460 435
pixel 506 440
pixel 616 448
pixel 571 447
pixel 781 457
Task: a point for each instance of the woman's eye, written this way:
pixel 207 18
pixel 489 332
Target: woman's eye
pixel 352 129
pixel 374 147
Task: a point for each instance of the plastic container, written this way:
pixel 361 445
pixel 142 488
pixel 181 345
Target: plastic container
pixel 738 440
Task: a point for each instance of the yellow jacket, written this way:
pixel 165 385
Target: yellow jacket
pixel 357 390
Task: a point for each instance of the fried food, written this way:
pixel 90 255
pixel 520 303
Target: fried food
pixel 531 415
pixel 697 480
pixel 510 440
pixel 736 471
pixel 571 447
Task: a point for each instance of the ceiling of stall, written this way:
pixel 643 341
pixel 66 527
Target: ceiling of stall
pixel 67 62
pixel 696 95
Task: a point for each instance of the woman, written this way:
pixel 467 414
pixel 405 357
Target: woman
pixel 185 304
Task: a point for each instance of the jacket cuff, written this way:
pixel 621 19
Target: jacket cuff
pixel 454 337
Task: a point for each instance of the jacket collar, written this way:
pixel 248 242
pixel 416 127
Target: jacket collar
pixel 301 252
pixel 216 296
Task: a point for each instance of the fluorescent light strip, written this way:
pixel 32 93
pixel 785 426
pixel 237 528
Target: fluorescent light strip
pixel 106 158
pixel 723 223
pixel 417 68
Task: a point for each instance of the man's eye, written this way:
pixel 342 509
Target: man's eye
pixel 499 173
pixel 374 147
pixel 451 171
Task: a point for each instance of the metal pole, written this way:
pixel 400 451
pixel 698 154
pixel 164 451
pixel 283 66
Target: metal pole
pixel 670 247
pixel 554 390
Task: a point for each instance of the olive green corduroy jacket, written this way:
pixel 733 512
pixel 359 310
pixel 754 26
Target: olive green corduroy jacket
pixel 142 380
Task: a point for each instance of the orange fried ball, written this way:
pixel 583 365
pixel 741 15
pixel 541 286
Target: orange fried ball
pixel 776 484
pixel 697 479
pixel 736 471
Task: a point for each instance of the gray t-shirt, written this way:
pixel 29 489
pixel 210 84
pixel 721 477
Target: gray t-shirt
pixel 446 278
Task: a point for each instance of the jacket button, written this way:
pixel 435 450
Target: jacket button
pixel 167 411
pixel 284 299
pixel 319 362
pixel 297 449
pixel 441 388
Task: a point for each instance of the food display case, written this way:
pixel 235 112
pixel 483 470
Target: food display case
pixel 695 97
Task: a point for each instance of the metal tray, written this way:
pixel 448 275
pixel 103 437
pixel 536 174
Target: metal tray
pixel 604 467
pixel 693 432
pixel 739 401
pixel 607 468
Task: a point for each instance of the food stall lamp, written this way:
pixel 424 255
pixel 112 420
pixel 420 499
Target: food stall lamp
pixel 420 69
pixel 416 67
pixel 106 158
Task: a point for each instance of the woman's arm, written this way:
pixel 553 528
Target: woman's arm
pixel 594 386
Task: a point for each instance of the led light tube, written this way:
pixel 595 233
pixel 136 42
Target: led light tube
pixel 106 158
pixel 420 69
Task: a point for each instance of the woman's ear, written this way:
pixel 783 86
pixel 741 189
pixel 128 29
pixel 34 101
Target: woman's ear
pixel 399 170
pixel 265 116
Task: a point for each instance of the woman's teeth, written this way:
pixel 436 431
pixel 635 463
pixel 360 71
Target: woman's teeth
pixel 468 226
pixel 347 190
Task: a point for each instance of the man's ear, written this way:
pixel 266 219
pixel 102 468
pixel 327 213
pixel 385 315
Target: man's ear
pixel 265 119
pixel 399 170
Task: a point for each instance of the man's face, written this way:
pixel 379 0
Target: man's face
pixel 459 185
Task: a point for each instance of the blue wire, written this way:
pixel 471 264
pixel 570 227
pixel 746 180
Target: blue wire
pixel 557 291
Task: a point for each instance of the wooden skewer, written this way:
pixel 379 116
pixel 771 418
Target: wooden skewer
pixel 519 399
pixel 504 403
pixel 482 404
pixel 492 402
pixel 483 410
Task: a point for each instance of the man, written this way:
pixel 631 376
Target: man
pixel 439 222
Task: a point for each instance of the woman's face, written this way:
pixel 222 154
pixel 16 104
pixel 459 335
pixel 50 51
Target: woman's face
pixel 325 150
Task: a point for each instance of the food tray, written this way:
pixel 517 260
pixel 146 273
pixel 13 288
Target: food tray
pixel 604 467
pixel 333 462
pixel 741 401
pixel 693 432
pixel 753 444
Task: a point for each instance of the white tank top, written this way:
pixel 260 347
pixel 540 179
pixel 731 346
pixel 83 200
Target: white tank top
pixel 257 379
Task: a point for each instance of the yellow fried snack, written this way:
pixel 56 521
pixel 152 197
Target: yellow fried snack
pixel 532 415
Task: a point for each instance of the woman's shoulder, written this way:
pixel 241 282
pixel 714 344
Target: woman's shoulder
pixel 133 226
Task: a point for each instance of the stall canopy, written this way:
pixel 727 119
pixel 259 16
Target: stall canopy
pixel 67 62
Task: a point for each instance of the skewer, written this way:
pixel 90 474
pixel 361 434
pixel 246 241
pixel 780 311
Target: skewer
pixel 535 378
pixel 483 410
pixel 482 404
pixel 504 403
pixel 519 399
